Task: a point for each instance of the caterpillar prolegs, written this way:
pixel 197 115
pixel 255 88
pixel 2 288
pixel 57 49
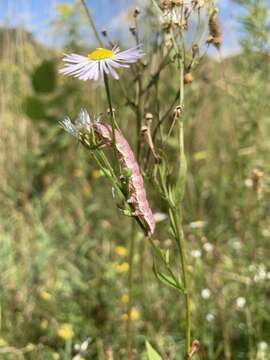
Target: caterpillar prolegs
pixel 103 131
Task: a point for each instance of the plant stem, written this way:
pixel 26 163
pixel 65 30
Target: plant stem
pixel 112 115
pixel 130 291
pixel 92 23
pixel 182 253
pixel 178 215
pixel 175 212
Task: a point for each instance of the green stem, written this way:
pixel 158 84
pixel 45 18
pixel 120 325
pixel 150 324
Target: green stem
pixel 92 23
pixel 175 213
pixel 182 253
pixel 178 217
pixel 112 116
pixel 130 291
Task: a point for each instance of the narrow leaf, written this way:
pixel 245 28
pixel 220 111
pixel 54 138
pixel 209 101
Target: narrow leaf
pixel 167 279
pixel 151 352
pixel 181 182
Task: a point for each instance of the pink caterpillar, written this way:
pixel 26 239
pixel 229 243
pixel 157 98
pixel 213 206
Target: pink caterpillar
pixel 137 198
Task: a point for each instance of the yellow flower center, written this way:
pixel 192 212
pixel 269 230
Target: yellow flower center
pixel 101 54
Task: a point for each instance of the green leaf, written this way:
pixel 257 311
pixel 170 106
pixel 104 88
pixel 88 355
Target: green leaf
pixel 151 353
pixel 181 182
pixel 167 279
pixel 44 77
pixel 34 108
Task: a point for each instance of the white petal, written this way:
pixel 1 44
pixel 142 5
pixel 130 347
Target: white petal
pixel 74 58
pixel 117 65
pixel 112 71
pixel 67 125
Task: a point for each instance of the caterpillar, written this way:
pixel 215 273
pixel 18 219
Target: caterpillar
pixel 82 129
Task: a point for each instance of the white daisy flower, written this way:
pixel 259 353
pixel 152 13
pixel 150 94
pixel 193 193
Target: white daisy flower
pixel 100 61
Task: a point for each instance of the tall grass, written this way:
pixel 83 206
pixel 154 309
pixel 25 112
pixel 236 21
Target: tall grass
pixel 59 231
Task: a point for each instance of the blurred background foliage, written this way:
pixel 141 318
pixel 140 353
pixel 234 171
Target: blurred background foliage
pixel 63 245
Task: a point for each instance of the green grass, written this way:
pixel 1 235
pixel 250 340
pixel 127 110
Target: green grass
pixel 59 225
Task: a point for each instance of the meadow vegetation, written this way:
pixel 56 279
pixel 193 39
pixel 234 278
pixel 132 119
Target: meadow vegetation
pixel 64 246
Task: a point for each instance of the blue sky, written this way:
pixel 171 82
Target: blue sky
pixel 35 15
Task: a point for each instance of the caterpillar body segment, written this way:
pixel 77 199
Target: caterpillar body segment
pixel 137 195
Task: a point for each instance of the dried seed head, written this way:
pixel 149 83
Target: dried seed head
pixel 109 111
pixel 215 37
pixel 257 176
pixel 188 78
pixel 198 4
pixel 166 4
pixel 104 32
pixel 178 2
pixel 169 4
pixel 136 12
pixel 183 24
pixel 149 117
pixel 178 111
pixel 132 29
pixel 195 50
pixel 195 348
pixel 144 129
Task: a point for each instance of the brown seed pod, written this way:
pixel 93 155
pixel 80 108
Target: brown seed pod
pixel 215 37
pixel 257 176
pixel 178 2
pixel 188 78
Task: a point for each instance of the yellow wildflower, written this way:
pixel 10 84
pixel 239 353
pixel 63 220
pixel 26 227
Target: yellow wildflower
pixel 64 10
pixel 87 191
pixel 78 173
pixel 55 356
pixel 3 342
pixel 44 324
pixel 96 174
pixel 30 347
pixel 121 250
pixel 45 295
pixel 134 315
pixel 124 317
pixel 66 331
pixel 125 298
pixel 123 267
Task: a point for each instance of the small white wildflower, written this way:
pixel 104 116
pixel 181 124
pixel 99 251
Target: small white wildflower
pixel 268 275
pixel 252 268
pixel 210 317
pixel 99 62
pixel 196 253
pixel 208 247
pixel 85 344
pixel 237 245
pixel 160 216
pixel 240 302
pixel 263 346
pixel 266 233
pixel 205 294
pixel 248 183
pixel 77 357
pixel 197 224
pixel 261 274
